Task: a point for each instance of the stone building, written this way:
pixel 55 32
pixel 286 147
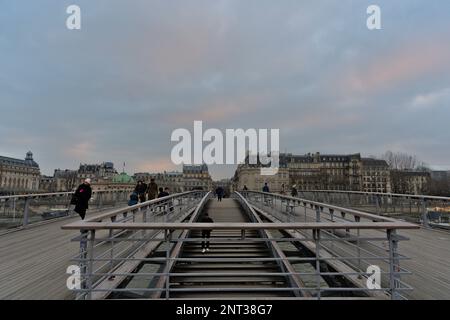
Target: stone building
pixel 172 180
pixel 19 176
pixel 317 172
pixel 410 181
pixel 66 180
pixel 196 177
pixel 250 176
pixel 96 172
pixel 375 176
pixel 323 171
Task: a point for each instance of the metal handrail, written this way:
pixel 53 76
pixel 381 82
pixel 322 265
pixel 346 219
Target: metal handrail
pixel 141 206
pixel 238 226
pixel 322 205
pixel 56 194
pixel 388 194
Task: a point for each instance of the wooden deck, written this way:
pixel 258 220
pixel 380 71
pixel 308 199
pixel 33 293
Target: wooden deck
pixel 34 261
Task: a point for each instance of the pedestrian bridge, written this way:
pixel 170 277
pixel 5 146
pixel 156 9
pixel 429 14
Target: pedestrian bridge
pixel 262 245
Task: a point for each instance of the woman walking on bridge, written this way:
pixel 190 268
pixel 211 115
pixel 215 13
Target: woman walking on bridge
pixel 81 198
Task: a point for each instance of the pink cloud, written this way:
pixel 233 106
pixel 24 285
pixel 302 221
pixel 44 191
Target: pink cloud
pixel 156 165
pixel 219 110
pixel 403 64
pixel 80 150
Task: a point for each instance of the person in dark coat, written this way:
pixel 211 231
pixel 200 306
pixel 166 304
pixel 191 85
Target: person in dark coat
pixel 206 234
pixel 219 193
pixel 162 193
pixel 294 192
pixel 141 189
pixel 245 188
pixel 265 188
pixel 81 198
pixel 152 190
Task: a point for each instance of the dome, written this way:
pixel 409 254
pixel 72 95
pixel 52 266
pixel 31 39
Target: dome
pixel 122 178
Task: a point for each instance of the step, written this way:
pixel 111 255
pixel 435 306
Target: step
pixel 214 249
pixel 229 295
pixel 212 254
pixel 217 287
pixel 229 279
pixel 230 266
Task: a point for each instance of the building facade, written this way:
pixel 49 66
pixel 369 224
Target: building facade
pixel 375 176
pixel 19 176
pixel 196 177
pixel 410 182
pixel 172 180
pixel 96 172
pixel 318 172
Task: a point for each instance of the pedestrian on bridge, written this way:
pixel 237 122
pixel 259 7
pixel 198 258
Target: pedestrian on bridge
pixel 245 188
pixel 294 192
pixel 219 193
pixel 265 188
pixel 162 193
pixel 134 199
pixel 152 190
pixel 206 233
pixel 141 189
pixel 81 198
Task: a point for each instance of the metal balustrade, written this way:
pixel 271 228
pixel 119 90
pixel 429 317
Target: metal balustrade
pixel 104 254
pixel 430 211
pixel 131 252
pixel 22 210
pixel 362 246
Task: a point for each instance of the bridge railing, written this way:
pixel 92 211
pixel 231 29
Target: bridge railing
pixel 359 243
pixel 126 253
pixel 22 210
pixel 106 253
pixel 430 211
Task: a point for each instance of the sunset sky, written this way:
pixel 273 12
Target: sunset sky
pixel 138 69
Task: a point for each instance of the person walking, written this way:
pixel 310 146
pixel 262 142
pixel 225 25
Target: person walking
pixel 81 198
pixel 140 189
pixel 219 193
pixel 265 189
pixel 206 233
pixel 283 189
pixel 245 188
pixel 294 192
pixel 152 190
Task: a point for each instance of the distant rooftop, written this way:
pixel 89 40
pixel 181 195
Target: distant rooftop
pixel 28 161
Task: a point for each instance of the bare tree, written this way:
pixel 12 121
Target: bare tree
pixel 403 161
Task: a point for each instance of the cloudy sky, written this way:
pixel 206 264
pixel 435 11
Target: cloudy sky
pixel 138 69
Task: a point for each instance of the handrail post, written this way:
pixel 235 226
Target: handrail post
pixel 167 237
pixel 358 245
pixel 83 261
pixel 26 211
pixel 90 265
pixel 316 236
pixel 424 214
pixel 394 266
